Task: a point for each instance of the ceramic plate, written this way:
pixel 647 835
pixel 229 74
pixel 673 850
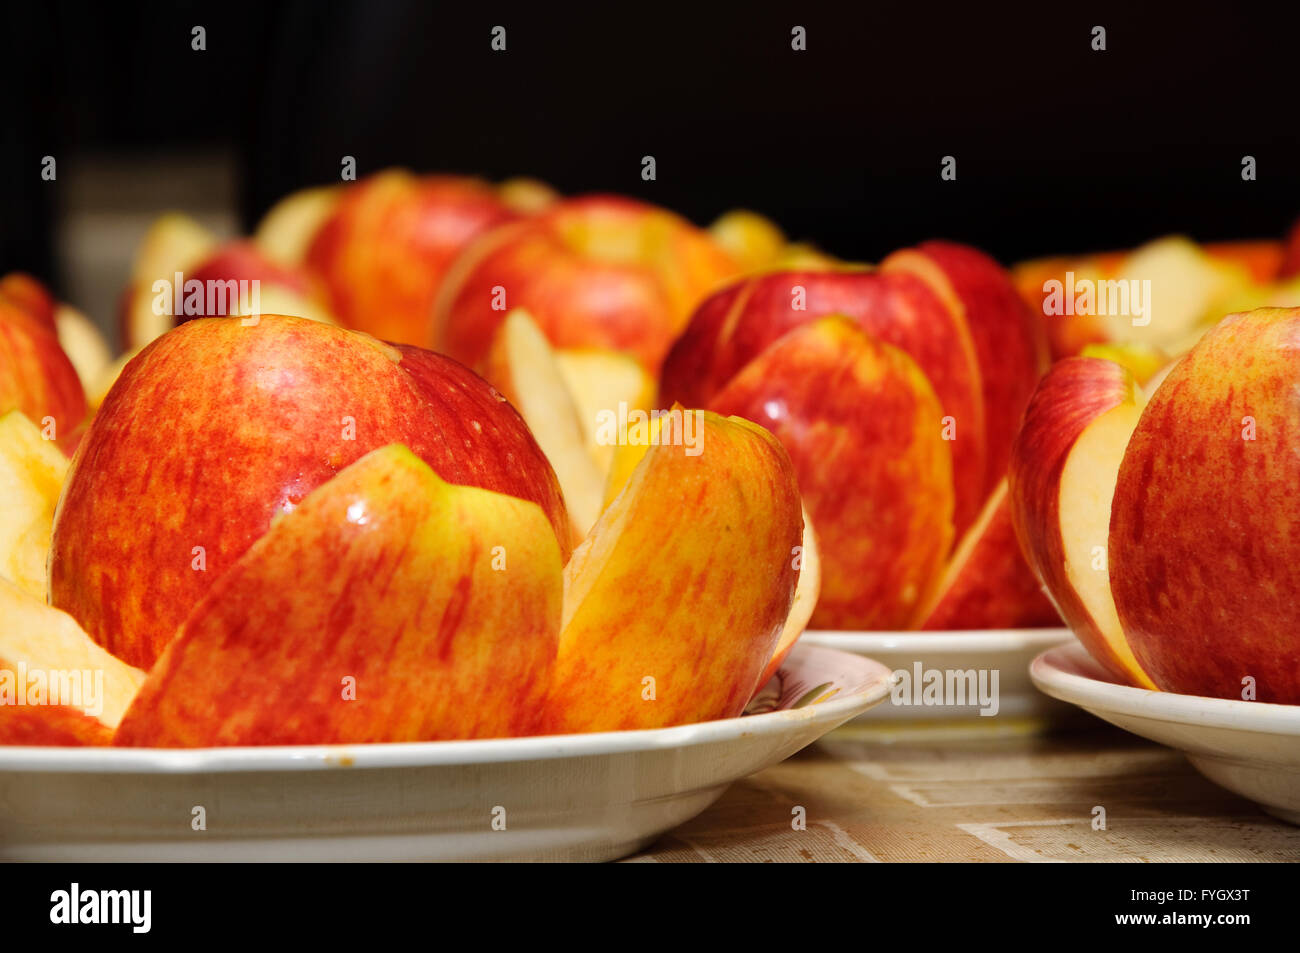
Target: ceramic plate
pixel 1250 748
pixel 560 797
pixel 1007 652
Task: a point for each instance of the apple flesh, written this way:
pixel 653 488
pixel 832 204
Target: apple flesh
pixel 389 606
pixel 676 601
pixel 238 423
pixel 1063 472
pixel 523 367
pixel 600 382
pixel 987 584
pixel 863 427
pixel 287 229
pixel 44 650
pixel 1205 525
pixel 597 271
pixel 32 470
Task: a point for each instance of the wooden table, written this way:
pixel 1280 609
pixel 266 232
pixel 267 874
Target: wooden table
pixel 1006 791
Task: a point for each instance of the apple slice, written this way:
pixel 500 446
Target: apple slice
pixel 521 364
pixel 1064 467
pixel 866 434
pixel 388 606
pixel 987 584
pixel 36 376
pixel 806 593
pixel 32 471
pixel 600 381
pixel 287 229
pixel 57 687
pixel 675 603
pixel 83 343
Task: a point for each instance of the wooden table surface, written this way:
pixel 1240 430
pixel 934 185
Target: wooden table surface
pixel 1007 791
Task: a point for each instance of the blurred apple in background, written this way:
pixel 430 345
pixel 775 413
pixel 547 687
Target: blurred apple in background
pixel 1205 524
pixel 286 231
pixel 860 421
pixel 384 248
pixel 172 244
pixel 36 376
pixel 217 427
pixel 597 271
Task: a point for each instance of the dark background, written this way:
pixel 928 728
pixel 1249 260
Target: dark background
pixel 1058 148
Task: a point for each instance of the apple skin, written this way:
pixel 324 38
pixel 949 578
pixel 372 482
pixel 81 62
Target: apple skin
pixel 385 248
pixel 1290 265
pixel 387 576
pixel 25 292
pixel 1009 340
pixel 735 325
pixel 216 427
pixel 861 424
pixel 1074 394
pixel 596 271
pixel 1205 525
pixel 987 583
pixel 36 375
pixel 687 579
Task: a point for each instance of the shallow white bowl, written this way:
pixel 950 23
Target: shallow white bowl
pixel 561 797
pixel 1006 651
pixel 1250 748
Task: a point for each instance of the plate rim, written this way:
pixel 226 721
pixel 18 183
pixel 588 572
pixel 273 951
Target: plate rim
pixel 865 642
pixel 1099 695
pixel 427 754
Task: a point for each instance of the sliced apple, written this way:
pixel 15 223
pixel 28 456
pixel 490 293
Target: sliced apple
pixel 57 687
pixel 753 240
pixel 675 603
pixel 600 381
pixel 83 343
pixel 806 593
pixel 287 229
pixel 388 606
pixel 521 364
pixel 1143 361
pixel 32 471
pixel 987 584
pixel 1064 468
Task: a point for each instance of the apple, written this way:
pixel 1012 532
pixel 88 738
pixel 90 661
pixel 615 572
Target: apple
pixel 753 241
pixel 599 381
pixel 1142 361
pixel 1205 523
pixel 806 594
pixel 36 376
pixel 1064 467
pixel 1261 259
pixel 287 229
pixel 862 426
pixel 384 249
pixel 734 326
pixel 388 606
pixel 32 471
pixel 1290 266
pixel 527 196
pixel 83 343
pixel 57 687
pixel 595 271
pixel 676 601
pixel 28 294
pixel 1009 340
pixel 523 367
pixel 987 584
pixel 173 243
pixel 219 427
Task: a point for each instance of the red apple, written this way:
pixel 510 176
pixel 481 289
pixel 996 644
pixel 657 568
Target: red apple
pixel 384 248
pixel 218 426
pixel 733 327
pixel 1205 524
pixel 36 375
pixel 597 271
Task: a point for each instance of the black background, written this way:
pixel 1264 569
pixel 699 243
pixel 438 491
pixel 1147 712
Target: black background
pixel 1059 148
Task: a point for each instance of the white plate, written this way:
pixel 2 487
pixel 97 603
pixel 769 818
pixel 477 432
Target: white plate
pixel 1005 651
pixel 561 797
pixel 1250 748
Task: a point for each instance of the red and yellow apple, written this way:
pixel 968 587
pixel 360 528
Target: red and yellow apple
pixel 36 376
pixel 598 271
pixel 32 471
pixel 219 428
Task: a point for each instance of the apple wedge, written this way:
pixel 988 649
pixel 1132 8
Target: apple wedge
pixel 83 343
pixel 32 471
pixel 600 381
pixel 389 606
pixel 987 584
pixel 806 593
pixel 675 603
pixel 521 364
pixel 57 687
pixel 865 431
pixel 1064 467
pixel 287 229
